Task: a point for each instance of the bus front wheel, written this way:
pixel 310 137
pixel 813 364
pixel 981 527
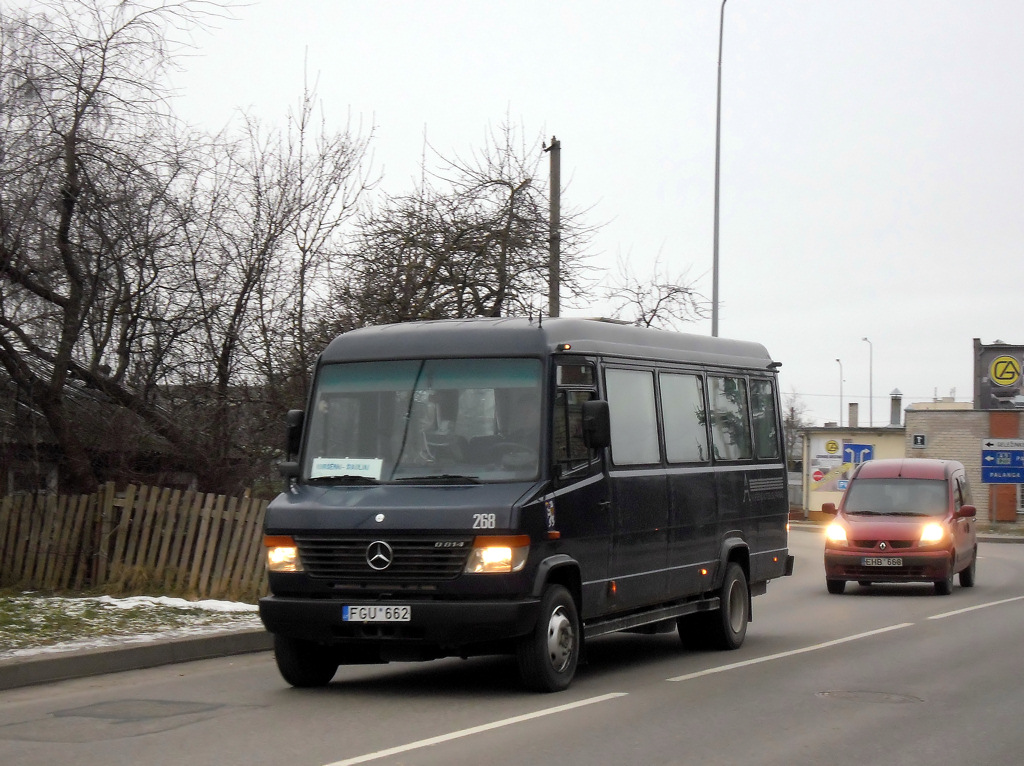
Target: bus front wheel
pixel 549 654
pixel 303 663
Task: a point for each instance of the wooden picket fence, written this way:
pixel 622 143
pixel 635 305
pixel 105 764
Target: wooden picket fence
pixel 141 540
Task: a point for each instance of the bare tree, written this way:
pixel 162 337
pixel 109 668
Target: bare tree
pixel 662 300
pixel 794 420
pixel 171 274
pixel 275 203
pixel 470 240
pixel 85 174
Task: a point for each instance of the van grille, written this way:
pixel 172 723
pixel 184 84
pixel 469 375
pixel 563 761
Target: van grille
pixel 897 544
pixel 412 559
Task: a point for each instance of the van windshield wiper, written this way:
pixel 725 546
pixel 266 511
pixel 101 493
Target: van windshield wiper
pixel 345 478
pixel 439 478
pixel 866 513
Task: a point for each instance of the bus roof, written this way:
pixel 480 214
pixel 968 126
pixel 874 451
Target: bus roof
pixel 519 336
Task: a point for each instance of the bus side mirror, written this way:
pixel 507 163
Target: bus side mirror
pixel 597 429
pixel 294 420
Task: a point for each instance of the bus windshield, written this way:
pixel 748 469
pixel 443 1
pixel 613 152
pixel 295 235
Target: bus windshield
pixel 433 420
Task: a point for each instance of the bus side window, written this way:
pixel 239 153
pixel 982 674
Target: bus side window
pixel 684 418
pixel 569 450
pixel 730 424
pixel 763 411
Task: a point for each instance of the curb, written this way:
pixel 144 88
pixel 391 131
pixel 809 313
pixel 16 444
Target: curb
pixel 41 669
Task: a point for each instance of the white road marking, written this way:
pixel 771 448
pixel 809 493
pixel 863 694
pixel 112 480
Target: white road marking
pixel 475 730
pixel 972 608
pixel 790 653
pixel 605 697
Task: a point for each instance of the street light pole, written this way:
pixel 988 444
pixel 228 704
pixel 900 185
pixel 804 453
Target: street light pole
pixel 718 154
pixel 840 393
pixel 871 382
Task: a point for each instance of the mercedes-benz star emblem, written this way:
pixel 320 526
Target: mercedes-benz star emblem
pixel 379 555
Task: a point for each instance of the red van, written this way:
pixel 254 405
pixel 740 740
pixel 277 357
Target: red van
pixel 903 520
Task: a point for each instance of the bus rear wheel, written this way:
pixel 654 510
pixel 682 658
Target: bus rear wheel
pixel 728 624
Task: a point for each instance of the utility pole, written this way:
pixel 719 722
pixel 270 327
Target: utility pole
pixel 554 150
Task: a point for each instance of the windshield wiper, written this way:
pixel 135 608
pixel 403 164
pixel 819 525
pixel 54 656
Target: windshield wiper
pixel 439 478
pixel 907 513
pixel 866 513
pixel 345 478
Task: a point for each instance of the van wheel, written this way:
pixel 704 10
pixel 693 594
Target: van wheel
pixel 835 587
pixel 727 625
pixel 967 575
pixel 303 663
pixel 548 655
pixel 945 587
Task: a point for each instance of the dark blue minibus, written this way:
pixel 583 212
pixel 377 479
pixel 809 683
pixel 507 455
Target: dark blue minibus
pixel 512 485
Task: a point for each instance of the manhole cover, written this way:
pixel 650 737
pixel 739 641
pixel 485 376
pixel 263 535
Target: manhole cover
pixel 859 696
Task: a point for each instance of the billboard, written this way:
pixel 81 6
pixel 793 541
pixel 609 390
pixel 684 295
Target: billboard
pixel 997 376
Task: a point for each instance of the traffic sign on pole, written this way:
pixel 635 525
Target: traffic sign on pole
pixel 1002 461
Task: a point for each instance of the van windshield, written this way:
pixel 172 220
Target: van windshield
pixel 432 420
pixel 916 497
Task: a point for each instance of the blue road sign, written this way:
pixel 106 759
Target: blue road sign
pixel 1002 466
pixel 858 453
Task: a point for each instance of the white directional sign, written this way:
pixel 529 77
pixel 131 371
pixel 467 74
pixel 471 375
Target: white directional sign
pixel 1010 444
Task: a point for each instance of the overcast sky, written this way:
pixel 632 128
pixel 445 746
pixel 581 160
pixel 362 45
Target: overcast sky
pixel 871 173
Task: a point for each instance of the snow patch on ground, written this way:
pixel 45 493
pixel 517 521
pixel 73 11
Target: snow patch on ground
pixel 32 625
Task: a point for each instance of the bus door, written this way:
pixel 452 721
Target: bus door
pixel 693 519
pixel 639 491
pixel 580 509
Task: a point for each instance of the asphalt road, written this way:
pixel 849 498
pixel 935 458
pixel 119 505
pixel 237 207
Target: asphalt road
pixel 888 673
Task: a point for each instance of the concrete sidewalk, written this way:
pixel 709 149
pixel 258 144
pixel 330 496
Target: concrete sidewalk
pixel 61 666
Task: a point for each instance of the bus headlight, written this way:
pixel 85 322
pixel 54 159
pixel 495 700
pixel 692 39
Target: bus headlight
pixel 282 554
pixel 498 555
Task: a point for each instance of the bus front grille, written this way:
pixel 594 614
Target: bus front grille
pixel 379 559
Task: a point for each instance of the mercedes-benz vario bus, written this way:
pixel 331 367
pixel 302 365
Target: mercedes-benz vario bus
pixel 481 486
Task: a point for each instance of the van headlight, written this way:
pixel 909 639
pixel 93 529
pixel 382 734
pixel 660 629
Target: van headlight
pixel 282 554
pixel 835 533
pixel 932 533
pixel 498 555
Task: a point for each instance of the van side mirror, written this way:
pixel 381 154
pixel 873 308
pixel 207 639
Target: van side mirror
pixel 597 428
pixel 829 508
pixel 967 512
pixel 294 422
